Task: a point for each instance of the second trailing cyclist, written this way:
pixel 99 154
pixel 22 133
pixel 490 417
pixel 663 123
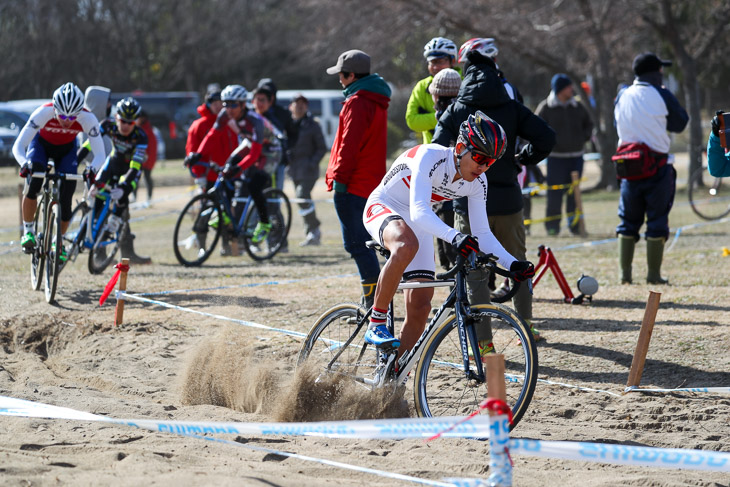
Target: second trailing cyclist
pixel 398 215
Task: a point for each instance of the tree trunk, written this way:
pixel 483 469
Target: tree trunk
pixel 692 99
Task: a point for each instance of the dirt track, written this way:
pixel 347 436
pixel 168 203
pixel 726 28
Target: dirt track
pixel 70 355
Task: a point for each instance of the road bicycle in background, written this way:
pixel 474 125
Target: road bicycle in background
pixel 209 216
pixel 47 228
pixel 91 231
pixel 448 381
pixel 709 196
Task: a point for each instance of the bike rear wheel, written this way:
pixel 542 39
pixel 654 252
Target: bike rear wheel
pixel 38 257
pixel 197 230
pixel 279 210
pixel 105 248
pixel 76 231
pixel 329 336
pixel 441 387
pixel 54 248
pixel 710 200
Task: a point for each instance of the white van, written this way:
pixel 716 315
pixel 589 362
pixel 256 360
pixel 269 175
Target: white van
pixel 325 106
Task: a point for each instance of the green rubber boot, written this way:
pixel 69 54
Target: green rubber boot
pixel 626 244
pixel 654 257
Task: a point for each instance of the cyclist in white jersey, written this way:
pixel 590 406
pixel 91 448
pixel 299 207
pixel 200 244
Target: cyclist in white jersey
pixel 398 215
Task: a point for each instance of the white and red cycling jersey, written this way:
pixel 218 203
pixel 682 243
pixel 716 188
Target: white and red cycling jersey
pixel 44 123
pixel 420 177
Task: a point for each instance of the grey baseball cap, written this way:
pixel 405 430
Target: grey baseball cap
pixel 352 61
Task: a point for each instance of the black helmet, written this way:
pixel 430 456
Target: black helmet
pixel 128 109
pixel 481 133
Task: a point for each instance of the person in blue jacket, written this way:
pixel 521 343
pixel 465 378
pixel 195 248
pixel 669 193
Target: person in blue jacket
pixel 718 158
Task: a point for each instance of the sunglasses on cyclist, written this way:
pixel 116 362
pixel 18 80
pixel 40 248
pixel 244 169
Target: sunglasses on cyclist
pixel 481 159
pixel 231 104
pixel 70 118
pixel 126 122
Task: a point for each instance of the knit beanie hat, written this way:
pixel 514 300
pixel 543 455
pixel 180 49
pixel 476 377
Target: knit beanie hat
pixel 559 82
pixel 445 83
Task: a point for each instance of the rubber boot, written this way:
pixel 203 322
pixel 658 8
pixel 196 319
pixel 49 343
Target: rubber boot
pixel 626 244
pixel 126 245
pixel 368 292
pixel 654 257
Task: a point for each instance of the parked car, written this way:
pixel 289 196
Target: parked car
pixel 171 113
pixel 12 120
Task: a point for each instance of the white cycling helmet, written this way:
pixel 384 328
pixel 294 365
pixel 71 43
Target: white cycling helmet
pixel 234 93
pixel 68 100
pixel 439 47
pixel 483 45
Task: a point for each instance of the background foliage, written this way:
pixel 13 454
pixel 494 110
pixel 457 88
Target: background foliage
pixel 167 45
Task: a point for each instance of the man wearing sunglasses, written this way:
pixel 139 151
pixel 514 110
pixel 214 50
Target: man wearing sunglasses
pixel 50 133
pixel 398 215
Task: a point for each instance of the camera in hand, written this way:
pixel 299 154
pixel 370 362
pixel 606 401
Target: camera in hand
pixel 724 121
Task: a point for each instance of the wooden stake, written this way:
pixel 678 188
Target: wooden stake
pixel 496 388
pixel 642 345
pixel 119 311
pixel 578 204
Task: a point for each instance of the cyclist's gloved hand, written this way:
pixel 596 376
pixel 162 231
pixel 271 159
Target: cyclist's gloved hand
pixel 191 159
pixel 716 123
pixel 231 171
pixel 221 120
pixel 465 244
pixel 521 270
pixel 125 187
pixel 26 169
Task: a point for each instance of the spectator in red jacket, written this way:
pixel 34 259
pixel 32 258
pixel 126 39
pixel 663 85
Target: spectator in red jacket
pixel 357 161
pixel 199 128
pixel 143 122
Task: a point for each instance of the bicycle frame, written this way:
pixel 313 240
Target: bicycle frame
pixel 458 301
pixel 219 191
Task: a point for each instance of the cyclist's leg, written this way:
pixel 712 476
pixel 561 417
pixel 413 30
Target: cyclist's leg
pixel 38 156
pixel 69 165
pixel 257 180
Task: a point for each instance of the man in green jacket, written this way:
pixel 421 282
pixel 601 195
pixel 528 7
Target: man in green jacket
pixel 420 112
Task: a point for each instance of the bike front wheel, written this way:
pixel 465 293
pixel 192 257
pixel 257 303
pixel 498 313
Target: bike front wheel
pixel 279 210
pixel 105 248
pixel 54 250
pixel 38 257
pixel 709 200
pixel 441 386
pixel 335 344
pixel 197 230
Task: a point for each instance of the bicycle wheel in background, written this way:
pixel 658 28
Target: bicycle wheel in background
pixel 54 247
pixel 38 257
pixel 441 387
pixel 197 230
pixel 329 335
pixel 279 210
pixel 710 199
pixel 105 248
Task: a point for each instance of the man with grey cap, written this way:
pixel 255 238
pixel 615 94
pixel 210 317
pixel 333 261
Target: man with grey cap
pixel 644 113
pixel 357 160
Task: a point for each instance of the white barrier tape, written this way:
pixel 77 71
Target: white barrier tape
pixel 391 429
pixel 236 286
pixel 580 388
pixel 251 324
pixel 695 225
pixel 624 455
pixel 16 407
pixel 146 204
pixel 721 390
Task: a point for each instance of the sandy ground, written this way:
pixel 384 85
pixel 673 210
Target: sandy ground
pixel 167 364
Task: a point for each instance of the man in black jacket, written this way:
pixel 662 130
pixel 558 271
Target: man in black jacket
pixel 483 89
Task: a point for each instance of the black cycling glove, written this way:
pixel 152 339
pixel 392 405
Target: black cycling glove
pixel 465 244
pixel 521 270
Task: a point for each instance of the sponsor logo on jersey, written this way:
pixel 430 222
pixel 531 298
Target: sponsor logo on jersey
pixel 375 210
pixel 93 132
pixel 393 171
pixel 435 166
pixel 33 125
